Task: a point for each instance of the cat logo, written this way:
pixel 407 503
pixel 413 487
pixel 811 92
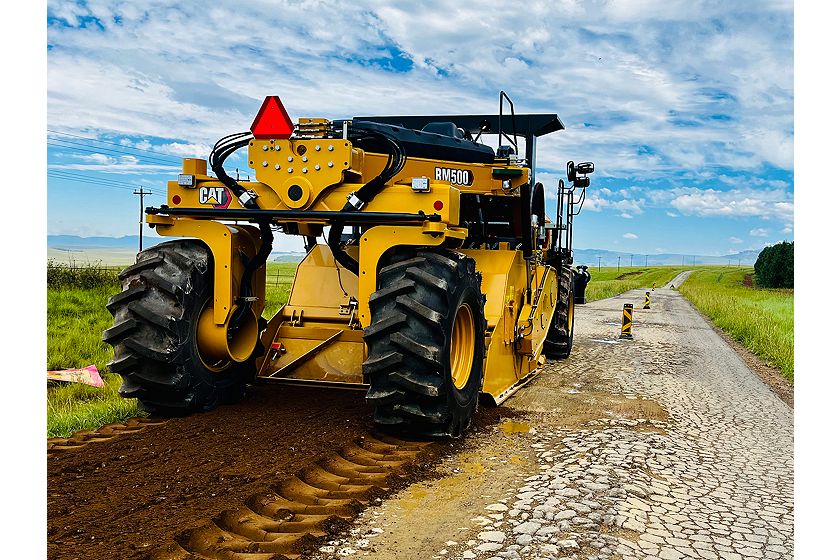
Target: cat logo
pixel 454 176
pixel 217 197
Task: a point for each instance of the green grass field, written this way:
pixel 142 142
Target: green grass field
pixel 760 319
pixel 611 281
pixel 76 318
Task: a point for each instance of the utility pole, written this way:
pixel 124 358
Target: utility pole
pixel 694 262
pixel 599 263
pixel 619 263
pixel 646 261
pixel 683 262
pixel 142 193
pixel 631 261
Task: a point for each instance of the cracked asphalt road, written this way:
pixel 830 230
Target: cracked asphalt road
pixel 666 446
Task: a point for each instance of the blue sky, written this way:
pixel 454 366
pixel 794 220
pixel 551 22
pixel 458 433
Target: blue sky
pixel 686 108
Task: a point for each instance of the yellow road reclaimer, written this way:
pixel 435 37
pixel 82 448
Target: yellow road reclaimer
pixel 437 278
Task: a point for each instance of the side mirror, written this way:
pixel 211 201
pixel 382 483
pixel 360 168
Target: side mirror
pixel 571 172
pixel 585 168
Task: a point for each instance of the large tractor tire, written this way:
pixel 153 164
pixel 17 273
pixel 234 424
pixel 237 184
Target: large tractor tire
pixel 561 332
pixel 154 333
pixel 426 343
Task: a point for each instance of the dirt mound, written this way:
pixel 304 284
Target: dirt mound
pixel 103 433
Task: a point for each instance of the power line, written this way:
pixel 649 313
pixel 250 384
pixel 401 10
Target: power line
pixel 112 143
pixel 59 143
pixel 72 175
pixel 120 149
pixel 94 182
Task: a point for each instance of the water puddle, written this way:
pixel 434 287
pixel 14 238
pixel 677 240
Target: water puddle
pixel 514 427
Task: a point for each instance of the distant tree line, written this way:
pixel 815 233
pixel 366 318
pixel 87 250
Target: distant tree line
pixel 774 266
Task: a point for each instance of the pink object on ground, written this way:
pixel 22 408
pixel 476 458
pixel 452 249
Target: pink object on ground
pixel 88 375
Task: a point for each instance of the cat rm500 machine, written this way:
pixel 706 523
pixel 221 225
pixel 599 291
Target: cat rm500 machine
pixel 432 275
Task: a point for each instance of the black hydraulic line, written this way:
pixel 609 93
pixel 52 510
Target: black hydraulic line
pixel 396 161
pixel 258 260
pixel 224 148
pixel 334 242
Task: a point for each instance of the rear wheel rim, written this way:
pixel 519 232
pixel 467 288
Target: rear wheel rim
pixel 462 348
pixel 219 365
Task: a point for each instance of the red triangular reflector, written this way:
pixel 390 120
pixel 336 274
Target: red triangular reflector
pixel 272 120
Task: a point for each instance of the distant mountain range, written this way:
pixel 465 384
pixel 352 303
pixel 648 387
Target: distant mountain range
pixel 582 256
pixel 610 258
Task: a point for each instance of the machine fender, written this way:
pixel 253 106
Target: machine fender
pixel 227 243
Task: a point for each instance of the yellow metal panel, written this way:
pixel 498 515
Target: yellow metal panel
pixel 317 354
pixel 511 362
pixel 316 285
pixel 379 239
pixel 226 242
pixel 194 166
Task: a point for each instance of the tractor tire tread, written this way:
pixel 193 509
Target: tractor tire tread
pixel 406 366
pixel 154 333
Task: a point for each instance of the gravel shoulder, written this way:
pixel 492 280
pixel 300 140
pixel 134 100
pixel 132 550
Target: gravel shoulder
pixel 666 446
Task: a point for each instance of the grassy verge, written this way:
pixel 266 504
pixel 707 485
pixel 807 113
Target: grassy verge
pixel 611 282
pixel 760 319
pixel 76 317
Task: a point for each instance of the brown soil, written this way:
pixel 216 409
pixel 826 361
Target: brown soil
pixel 103 433
pixel 628 275
pixel 127 496
pixel 748 280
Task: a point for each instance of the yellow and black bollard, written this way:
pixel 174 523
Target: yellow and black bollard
pixel 647 301
pixel 627 321
pixel 653 288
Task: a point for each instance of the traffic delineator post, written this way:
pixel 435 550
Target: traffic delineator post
pixel 647 300
pixel 627 321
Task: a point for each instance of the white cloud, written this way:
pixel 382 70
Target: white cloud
pixel 736 240
pixel 765 203
pixel 787 229
pixel 685 93
pixel 629 235
pixel 629 67
pixel 759 232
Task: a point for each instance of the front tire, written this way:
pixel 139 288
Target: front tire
pixel 425 343
pixel 154 333
pixel 561 332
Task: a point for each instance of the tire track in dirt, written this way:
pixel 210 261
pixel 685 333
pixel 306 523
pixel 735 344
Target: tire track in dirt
pixel 128 496
pixel 299 512
pixel 104 433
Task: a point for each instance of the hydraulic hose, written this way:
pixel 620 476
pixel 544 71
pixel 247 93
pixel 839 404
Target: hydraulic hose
pixel 258 260
pixel 224 148
pixel 357 200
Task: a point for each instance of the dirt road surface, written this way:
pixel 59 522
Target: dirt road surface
pixel 666 446
pixel 663 446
